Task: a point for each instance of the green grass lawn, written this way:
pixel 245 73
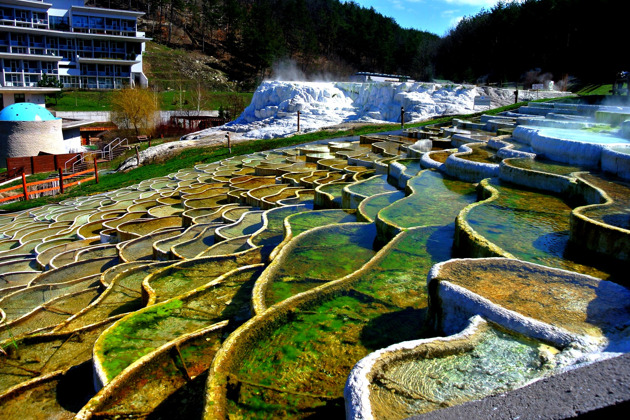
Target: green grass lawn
pixel 172 100
pixel 595 90
pixel 81 100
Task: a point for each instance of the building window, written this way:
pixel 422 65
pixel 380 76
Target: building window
pixel 97 22
pixel 18 98
pixel 80 21
pixel 59 23
pixel 23 15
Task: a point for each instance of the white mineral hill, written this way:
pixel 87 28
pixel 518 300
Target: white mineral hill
pixel 273 110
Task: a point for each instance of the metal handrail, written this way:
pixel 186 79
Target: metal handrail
pixel 109 148
pixel 65 165
pixel 85 156
pixel 106 154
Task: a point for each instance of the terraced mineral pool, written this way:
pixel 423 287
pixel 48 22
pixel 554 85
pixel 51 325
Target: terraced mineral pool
pixel 412 166
pixel 496 362
pixel 122 296
pixel 185 276
pixel 300 369
pixel 335 191
pixel 168 385
pixel 318 256
pixel 47 354
pixel 48 314
pixel 522 147
pixel 581 305
pixel 616 213
pixel 540 221
pixel 193 247
pixel 545 166
pixel 144 331
pixel 273 232
pixel 301 222
pixel 440 156
pixel 372 186
pixel 249 223
pixel 583 136
pixel 270 201
pixel 370 207
pixel 481 153
pixel 436 200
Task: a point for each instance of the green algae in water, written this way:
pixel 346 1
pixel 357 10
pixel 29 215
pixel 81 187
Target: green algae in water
pixel 141 333
pixel 540 221
pixel 124 296
pixel 335 190
pixel 372 205
pixel 273 233
pixel 372 186
pixel 550 167
pixel 412 166
pixel 302 222
pixel 436 200
pixel 616 213
pixel 482 154
pixel 497 363
pixel 249 223
pixel 182 278
pixel 323 255
pixel 300 369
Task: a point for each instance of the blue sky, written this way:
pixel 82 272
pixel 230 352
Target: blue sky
pixel 436 16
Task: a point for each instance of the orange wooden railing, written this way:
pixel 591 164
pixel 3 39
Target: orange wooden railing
pixel 61 185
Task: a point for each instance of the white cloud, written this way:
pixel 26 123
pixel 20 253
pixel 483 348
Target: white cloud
pixel 454 21
pixel 397 4
pixel 448 13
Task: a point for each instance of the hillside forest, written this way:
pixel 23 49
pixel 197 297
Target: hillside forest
pixel 514 41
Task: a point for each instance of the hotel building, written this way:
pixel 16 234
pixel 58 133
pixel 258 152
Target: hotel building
pixel 85 47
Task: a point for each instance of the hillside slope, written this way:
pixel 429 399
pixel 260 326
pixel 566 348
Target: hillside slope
pixel 245 39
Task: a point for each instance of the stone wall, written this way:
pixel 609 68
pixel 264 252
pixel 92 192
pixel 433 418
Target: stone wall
pixel 28 138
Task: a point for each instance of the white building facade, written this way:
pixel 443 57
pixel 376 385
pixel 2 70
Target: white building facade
pixel 85 47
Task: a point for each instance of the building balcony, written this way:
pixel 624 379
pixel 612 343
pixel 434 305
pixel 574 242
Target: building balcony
pixel 24 23
pixel 108 60
pixel 17 54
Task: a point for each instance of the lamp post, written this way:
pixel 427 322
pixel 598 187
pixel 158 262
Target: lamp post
pixel 402 117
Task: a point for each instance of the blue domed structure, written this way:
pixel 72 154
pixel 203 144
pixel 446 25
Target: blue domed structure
pixel 26 111
pixel 28 129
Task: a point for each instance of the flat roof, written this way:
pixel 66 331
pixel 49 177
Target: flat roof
pixel 67 124
pixel 118 12
pixel 24 89
pixel 27 3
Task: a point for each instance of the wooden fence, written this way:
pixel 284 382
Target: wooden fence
pixel 56 184
pixel 36 164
